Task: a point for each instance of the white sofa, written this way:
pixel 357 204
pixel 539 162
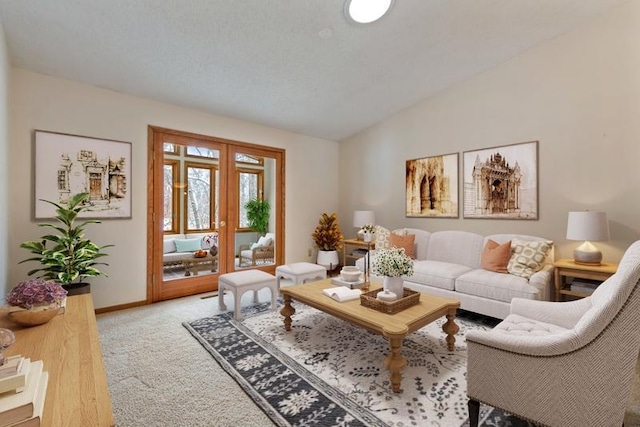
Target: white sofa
pixel 447 264
pixel 172 253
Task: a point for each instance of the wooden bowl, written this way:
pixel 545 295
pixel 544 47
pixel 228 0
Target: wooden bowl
pixel 33 317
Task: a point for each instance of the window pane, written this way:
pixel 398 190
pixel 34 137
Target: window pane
pixel 169 147
pixel 244 158
pixel 248 191
pixel 203 152
pixel 168 198
pixel 199 198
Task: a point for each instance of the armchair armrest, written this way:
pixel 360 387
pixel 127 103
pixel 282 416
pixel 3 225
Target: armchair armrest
pixel 528 345
pixel 564 314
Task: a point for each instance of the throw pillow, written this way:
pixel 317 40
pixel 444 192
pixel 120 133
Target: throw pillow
pixel 187 245
pixel 382 237
pixel 264 241
pixel 407 242
pixel 209 240
pixel 495 256
pixel 527 257
pixel 169 246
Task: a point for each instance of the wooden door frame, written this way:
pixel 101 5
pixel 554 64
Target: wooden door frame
pixel 155 233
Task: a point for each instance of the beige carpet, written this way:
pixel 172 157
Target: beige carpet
pixel 160 376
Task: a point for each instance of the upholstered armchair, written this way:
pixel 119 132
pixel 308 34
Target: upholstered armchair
pixel 562 363
pixel 261 252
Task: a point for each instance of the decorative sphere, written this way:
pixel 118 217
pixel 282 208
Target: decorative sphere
pixel 7 338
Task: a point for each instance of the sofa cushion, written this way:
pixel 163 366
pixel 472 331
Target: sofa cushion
pixel 495 257
pixel 527 256
pixel 457 247
pixel 496 286
pixel 407 242
pixel 437 273
pixel 188 245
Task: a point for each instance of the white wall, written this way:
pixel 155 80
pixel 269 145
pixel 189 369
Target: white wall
pixel 579 95
pixel 46 103
pixel 4 160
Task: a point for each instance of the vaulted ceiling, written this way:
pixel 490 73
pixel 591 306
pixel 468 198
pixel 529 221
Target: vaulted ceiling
pixel 297 65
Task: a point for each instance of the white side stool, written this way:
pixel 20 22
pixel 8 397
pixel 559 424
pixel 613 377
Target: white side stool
pixel 240 282
pixel 300 272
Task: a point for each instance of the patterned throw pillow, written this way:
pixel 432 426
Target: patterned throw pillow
pixel 209 241
pixel 527 257
pixel 382 238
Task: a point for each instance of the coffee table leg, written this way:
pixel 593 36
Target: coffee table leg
pixel 287 311
pixel 450 328
pixel 395 362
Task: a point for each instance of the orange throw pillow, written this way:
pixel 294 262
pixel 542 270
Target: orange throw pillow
pixel 407 242
pixel 495 257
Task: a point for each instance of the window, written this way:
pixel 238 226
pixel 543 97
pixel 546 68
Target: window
pixel 200 197
pixel 250 186
pixel 171 188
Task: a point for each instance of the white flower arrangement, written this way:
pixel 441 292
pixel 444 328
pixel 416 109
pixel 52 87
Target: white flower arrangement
pixel 368 228
pixel 392 262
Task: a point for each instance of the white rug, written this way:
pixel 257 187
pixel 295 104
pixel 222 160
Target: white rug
pixel 346 358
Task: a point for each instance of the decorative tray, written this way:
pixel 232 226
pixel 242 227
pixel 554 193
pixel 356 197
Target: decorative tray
pixel 409 298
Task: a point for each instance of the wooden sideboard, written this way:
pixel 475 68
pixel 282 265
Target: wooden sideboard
pixel 69 347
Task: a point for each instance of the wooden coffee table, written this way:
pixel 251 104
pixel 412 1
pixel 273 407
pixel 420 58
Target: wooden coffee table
pixel 392 326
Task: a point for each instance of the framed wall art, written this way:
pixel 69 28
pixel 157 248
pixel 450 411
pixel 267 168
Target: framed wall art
pixel 69 164
pixel 432 187
pixel 501 182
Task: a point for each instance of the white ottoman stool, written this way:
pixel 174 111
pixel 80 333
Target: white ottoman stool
pixel 300 272
pixel 240 282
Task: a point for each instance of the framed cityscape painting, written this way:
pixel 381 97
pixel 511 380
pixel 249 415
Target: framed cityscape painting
pixel 501 182
pixel 69 164
pixel 432 187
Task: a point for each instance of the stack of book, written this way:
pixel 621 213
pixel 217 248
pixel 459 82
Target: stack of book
pixel 23 387
pixel 585 286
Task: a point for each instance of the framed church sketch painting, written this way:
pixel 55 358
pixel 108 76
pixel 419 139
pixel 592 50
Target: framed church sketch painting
pixel 432 187
pixel 69 164
pixel 501 182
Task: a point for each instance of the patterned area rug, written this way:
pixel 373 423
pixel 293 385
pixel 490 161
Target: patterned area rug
pixel 327 372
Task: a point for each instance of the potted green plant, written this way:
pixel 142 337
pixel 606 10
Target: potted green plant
pixel 258 215
pixel 328 238
pixel 66 256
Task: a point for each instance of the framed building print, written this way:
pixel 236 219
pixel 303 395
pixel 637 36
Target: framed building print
pixel 69 164
pixel 501 182
pixel 432 187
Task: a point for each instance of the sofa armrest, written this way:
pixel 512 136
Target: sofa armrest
pixel 564 314
pixel 543 281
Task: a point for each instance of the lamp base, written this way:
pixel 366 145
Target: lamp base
pixel 587 254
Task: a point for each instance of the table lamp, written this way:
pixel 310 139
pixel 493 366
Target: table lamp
pixel 361 218
pixel 587 226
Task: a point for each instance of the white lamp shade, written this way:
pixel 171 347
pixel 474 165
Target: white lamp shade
pixel 591 226
pixel 361 218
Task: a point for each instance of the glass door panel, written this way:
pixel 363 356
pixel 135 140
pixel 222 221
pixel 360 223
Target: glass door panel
pixel 191 238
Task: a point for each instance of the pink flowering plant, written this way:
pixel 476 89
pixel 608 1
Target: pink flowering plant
pixel 35 292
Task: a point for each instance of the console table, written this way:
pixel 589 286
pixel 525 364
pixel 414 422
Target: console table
pixel 69 347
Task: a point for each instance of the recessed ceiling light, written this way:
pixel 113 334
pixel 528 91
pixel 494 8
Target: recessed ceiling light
pixel 366 11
